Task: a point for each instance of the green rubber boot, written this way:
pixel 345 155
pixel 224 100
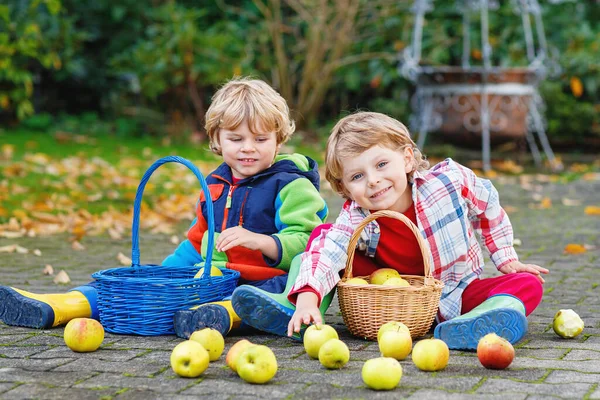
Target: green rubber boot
pixel 502 314
pixel 271 312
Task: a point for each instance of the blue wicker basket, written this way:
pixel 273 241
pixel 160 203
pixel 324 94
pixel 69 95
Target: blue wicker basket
pixel 142 299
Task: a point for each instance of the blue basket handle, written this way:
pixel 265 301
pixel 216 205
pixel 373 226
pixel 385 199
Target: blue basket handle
pixel 135 227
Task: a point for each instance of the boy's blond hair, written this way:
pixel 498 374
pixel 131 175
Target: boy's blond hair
pixel 357 133
pixel 252 100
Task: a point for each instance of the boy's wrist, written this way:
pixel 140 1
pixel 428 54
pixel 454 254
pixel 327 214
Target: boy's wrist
pixel 267 246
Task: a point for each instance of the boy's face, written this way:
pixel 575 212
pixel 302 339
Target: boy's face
pixel 377 179
pixel 245 153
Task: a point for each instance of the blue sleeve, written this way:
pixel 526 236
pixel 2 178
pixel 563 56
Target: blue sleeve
pixel 184 255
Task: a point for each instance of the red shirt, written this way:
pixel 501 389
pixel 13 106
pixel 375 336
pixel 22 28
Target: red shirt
pixel 398 249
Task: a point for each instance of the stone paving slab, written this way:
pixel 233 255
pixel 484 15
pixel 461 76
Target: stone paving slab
pixel 37 364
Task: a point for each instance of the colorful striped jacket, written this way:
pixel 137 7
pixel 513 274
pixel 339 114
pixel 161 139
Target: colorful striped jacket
pixel 451 204
pixel 282 201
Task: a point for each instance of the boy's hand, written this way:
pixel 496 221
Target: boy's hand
pixel 238 236
pixel 517 266
pixel 307 311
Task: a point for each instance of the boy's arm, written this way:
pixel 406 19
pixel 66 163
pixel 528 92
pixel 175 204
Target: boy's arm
pixel 488 218
pixel 299 208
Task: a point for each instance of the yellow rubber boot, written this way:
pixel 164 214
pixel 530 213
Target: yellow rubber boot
pixel 21 308
pixel 218 315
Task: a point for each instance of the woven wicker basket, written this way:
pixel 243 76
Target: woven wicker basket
pixel 366 307
pixel 142 299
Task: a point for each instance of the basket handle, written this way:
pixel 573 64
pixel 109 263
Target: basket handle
pixel 399 216
pixel 135 227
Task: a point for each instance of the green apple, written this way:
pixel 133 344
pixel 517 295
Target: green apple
pixel 257 364
pixel 83 334
pixel 382 373
pixel 189 359
pixel 381 275
pixel 395 344
pixel 567 324
pixel 315 336
pixel 396 281
pixel 235 351
pixel 357 281
pixel 212 340
pixel 334 354
pixel 392 326
pixel 431 354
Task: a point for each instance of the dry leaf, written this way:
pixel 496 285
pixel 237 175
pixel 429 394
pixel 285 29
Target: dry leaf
pixel 75 245
pixel 174 239
pixel 13 235
pixel 48 270
pixel 114 234
pixel 62 278
pixel 123 259
pixel 517 242
pixel 573 248
pixel 571 202
pixel 592 210
pixel 37 252
pixel 546 203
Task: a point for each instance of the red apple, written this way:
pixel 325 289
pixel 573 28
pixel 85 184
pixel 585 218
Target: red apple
pixel 495 352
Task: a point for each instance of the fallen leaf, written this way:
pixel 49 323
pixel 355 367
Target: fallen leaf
pixel 114 234
pixel 48 270
pixel 573 248
pixel 174 239
pixel 546 203
pixel 571 202
pixel 37 252
pixel 123 259
pixel 517 242
pixel 8 249
pixel 62 278
pixel 75 245
pixel 592 210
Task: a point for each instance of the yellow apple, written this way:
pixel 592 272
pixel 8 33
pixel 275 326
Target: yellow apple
pixel 315 336
pixel 212 341
pixel 382 373
pixel 567 324
pixel 214 271
pixel 395 344
pixel 189 359
pixel 357 281
pixel 83 335
pixel 431 355
pixel 235 351
pixel 334 354
pixel 381 275
pixel 257 364
pixel 392 326
pixel 396 281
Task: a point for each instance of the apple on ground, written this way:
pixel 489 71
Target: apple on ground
pixel 391 326
pixel 189 359
pixel 382 373
pixel 334 354
pixel 431 354
pixel 567 324
pixel 257 364
pixel 83 334
pixel 381 275
pixel 235 351
pixel 212 340
pixel 357 281
pixel 396 344
pixel 495 352
pixel 396 281
pixel 315 336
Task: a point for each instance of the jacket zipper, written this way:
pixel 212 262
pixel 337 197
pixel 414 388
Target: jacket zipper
pixel 227 207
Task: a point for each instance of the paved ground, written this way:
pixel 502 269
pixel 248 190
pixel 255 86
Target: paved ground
pixel 37 364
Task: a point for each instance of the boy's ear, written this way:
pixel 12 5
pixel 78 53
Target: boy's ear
pixel 409 159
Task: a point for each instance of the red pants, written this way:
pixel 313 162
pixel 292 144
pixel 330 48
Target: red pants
pixel 524 286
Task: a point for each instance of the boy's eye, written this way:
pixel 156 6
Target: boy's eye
pixel 235 139
pixel 382 164
pixel 261 139
pixel 355 177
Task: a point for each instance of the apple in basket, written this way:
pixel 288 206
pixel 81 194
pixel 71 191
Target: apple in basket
pixel 357 281
pixel 383 274
pixel 214 271
pixel 396 281
pixel 315 336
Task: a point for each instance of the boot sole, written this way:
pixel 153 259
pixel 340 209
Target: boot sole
pixel 465 334
pixel 262 312
pixel 213 316
pixel 19 310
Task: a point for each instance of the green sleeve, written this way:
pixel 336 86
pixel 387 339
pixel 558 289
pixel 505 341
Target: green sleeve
pixel 299 208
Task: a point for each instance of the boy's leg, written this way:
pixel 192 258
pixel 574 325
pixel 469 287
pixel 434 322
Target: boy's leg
pixel 21 308
pixel 218 315
pixel 493 305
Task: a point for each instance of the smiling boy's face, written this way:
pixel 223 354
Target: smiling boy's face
pixel 377 179
pixel 247 153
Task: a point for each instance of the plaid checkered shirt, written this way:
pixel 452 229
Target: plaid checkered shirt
pixel 451 204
